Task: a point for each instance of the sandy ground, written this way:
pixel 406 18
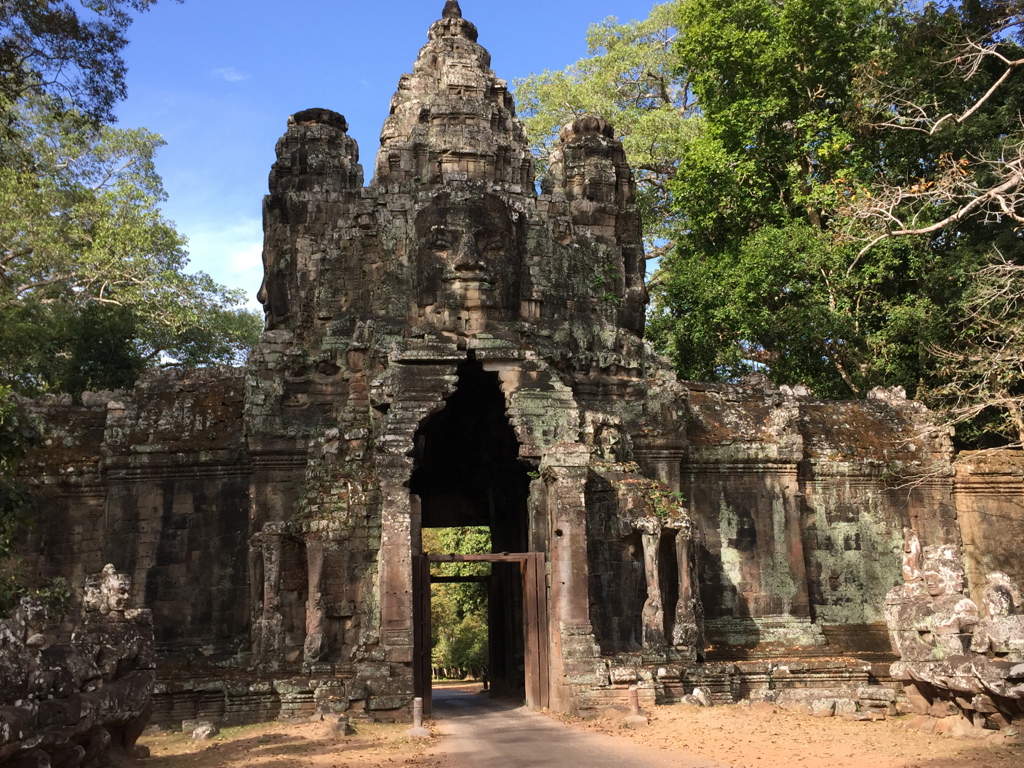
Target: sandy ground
pixel 762 735
pixel 289 744
pixel 743 737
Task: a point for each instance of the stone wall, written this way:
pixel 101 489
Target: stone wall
pixel 800 507
pixel 156 481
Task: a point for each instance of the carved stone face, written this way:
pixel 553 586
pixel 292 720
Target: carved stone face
pixel 117 588
pixel 469 254
pixel 935 583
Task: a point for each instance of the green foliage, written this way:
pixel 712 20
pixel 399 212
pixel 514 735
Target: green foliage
pixel 980 385
pixel 459 610
pixel 664 503
pixel 68 49
pixel 93 286
pixel 790 136
pixel 16 504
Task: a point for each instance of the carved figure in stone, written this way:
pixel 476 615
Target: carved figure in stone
pixel 1001 632
pixel 108 592
pixel 469 254
pixel 686 632
pixel 947 655
pixel 315 646
pixel 935 622
pixel 653 612
pixel 912 576
pixel 80 703
pixel 268 630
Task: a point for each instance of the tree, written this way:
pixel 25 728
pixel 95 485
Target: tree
pixel 980 54
pixel 70 51
pixel 459 610
pixel 93 286
pixel 980 381
pixel 786 161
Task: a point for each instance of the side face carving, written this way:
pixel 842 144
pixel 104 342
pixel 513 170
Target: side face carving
pixel 468 255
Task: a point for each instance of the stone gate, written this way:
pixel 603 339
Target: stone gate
pixel 460 343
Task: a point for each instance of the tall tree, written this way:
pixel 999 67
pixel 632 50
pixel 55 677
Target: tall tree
pixel 93 286
pixel 68 50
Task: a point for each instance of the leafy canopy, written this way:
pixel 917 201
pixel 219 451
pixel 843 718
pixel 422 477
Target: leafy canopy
pixel 93 286
pixel 818 217
pixel 68 50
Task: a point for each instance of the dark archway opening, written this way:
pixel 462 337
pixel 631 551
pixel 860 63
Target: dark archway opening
pixel 468 473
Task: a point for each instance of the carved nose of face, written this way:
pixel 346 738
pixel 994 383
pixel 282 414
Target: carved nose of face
pixel 467 257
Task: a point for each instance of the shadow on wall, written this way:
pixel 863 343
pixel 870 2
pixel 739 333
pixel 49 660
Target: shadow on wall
pixel 734 636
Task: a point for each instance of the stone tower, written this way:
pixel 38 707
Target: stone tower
pixel 443 347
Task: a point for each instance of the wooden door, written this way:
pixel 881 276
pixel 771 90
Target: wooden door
pixel 422 670
pixel 535 612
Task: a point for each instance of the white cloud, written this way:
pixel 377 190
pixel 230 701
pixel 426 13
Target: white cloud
pixel 230 74
pixel 232 254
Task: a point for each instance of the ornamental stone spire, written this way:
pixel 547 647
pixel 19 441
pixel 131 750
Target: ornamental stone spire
pixel 452 119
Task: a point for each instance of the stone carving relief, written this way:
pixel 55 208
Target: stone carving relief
pixel 685 634
pixel 951 657
pixel 469 254
pixel 81 702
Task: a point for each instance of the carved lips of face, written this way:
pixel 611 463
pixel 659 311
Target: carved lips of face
pixel 468 254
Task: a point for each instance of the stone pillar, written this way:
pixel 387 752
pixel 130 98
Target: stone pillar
pixel 315 646
pixel 255 581
pixel 396 559
pixel 575 657
pixel 653 614
pixel 686 632
pixel 268 630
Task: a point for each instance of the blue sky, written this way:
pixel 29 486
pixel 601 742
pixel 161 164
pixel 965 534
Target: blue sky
pixel 219 78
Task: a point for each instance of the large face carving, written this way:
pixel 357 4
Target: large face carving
pixel 469 255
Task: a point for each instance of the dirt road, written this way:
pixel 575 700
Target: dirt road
pixel 478 732
pixel 473 731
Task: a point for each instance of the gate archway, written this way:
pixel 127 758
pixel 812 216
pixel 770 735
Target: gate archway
pixel 532 571
pixel 467 472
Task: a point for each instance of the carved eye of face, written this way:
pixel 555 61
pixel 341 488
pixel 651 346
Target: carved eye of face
pixel 493 249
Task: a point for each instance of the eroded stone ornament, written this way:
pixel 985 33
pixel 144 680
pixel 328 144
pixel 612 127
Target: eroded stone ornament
pixel 950 658
pixel 83 702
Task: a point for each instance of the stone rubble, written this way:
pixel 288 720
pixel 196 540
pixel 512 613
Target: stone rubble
pixel 84 701
pixel 956 663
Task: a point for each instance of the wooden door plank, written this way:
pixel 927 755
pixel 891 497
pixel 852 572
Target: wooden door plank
pixel 530 636
pixel 540 589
